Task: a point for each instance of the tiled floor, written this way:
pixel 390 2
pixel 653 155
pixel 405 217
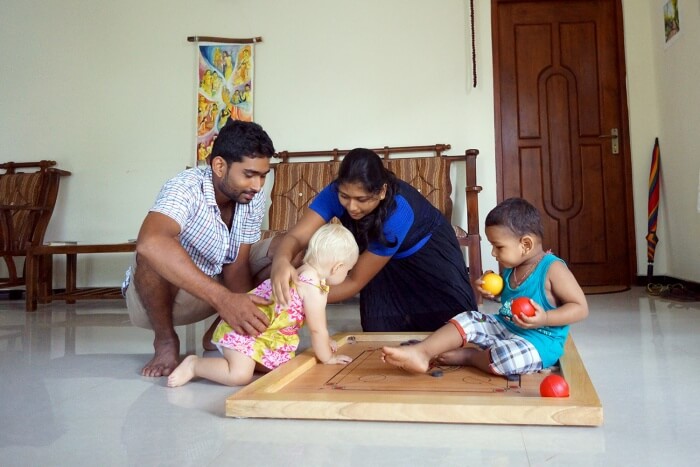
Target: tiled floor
pixel 71 395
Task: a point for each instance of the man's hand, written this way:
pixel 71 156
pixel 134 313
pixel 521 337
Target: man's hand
pixel 240 311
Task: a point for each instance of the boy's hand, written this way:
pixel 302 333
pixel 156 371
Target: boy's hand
pixel 535 321
pixel 484 293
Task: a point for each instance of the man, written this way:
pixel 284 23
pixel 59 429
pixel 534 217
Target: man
pixel 194 246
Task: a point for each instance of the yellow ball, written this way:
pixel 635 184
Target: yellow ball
pixel 492 283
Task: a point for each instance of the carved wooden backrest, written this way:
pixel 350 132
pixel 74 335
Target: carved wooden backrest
pixel 297 183
pixel 430 176
pixel 21 194
pixel 27 200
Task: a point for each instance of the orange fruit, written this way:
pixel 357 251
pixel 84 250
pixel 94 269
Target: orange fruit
pixel 492 283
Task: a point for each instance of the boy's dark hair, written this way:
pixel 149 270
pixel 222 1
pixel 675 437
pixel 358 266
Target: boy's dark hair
pixel 238 139
pixel 518 215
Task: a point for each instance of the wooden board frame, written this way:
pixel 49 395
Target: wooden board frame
pixel 274 395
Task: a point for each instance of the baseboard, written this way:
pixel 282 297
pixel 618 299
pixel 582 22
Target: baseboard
pixel 12 294
pixel 666 280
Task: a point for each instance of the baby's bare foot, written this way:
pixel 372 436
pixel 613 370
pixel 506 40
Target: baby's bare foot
pixel 456 357
pixel 409 358
pixel 183 373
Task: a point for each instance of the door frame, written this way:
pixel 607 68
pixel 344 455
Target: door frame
pixel 624 136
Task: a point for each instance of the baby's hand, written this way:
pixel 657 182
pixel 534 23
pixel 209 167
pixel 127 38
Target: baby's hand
pixel 334 345
pixel 338 360
pixel 535 321
pixel 479 287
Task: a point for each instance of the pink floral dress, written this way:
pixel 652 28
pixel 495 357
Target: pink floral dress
pixel 278 344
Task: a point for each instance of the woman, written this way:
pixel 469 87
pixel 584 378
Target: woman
pixel 411 273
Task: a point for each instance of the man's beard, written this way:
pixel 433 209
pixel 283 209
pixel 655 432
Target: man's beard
pixel 237 196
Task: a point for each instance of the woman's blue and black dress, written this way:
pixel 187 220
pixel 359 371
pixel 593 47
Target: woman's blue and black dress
pixel 426 281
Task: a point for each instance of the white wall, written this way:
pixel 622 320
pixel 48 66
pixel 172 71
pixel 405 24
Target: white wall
pixel 678 67
pixel 107 90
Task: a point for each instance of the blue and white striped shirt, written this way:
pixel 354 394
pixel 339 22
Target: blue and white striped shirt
pixel 189 200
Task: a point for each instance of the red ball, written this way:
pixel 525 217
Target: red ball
pixel 522 306
pixel 554 386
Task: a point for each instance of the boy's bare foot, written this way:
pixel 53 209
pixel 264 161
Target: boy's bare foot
pixel 183 373
pixel 409 358
pixel 165 359
pixel 456 357
pixel 207 344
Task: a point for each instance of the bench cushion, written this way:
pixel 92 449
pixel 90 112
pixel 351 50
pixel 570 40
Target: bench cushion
pixel 297 183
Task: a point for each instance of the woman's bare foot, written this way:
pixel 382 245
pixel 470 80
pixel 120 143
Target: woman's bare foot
pixel 183 373
pixel 409 358
pixel 165 359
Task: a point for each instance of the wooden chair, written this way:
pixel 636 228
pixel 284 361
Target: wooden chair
pixel 27 200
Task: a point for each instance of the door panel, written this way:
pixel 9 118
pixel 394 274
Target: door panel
pixel 559 91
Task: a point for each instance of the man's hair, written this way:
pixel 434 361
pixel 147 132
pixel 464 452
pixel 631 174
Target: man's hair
pixel 519 216
pixel 331 244
pixel 238 139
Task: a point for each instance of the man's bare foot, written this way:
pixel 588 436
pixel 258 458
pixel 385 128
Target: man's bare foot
pixel 166 358
pixel 207 344
pixel 456 357
pixel 409 357
pixel 183 373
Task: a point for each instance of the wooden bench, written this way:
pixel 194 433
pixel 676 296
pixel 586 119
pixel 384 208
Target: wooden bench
pixel 300 176
pixel 39 271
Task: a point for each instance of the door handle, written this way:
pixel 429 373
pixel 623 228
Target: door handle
pixel 614 140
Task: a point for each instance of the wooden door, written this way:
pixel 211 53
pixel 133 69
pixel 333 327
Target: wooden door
pixel 559 79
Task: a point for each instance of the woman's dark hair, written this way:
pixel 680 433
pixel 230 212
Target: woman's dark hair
pixel 517 215
pixel 364 167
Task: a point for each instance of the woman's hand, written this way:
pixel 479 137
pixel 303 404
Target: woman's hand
pixel 283 272
pixel 281 275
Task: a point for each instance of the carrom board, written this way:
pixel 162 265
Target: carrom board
pixel 369 389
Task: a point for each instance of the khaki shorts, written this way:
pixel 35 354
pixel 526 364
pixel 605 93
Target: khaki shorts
pixel 187 308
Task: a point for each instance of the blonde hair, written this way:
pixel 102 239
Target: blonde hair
pixel 331 244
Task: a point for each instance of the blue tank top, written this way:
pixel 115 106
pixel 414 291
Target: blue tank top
pixel 548 340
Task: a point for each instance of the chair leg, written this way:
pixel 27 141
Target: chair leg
pixel 30 279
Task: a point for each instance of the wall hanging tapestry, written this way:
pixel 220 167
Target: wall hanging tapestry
pixel 224 86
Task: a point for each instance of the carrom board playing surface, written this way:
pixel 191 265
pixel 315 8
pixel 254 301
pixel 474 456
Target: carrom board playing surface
pixel 369 389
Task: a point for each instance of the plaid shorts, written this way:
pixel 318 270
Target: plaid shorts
pixel 510 353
